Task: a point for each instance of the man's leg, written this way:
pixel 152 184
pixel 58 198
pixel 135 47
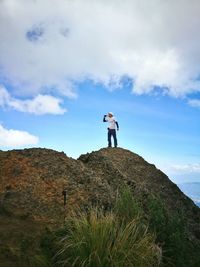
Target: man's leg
pixel 115 138
pixel 109 138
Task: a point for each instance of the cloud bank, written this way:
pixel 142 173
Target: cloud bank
pixel 186 168
pixel 51 45
pixel 40 105
pixel 15 138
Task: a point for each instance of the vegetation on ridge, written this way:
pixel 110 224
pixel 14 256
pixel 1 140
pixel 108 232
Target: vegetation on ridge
pixel 97 239
pixel 126 236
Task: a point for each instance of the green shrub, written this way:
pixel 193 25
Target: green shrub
pixel 99 240
pixel 170 232
pixel 127 207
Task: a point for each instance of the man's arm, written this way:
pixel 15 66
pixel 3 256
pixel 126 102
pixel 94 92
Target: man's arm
pixel 104 118
pixel 117 125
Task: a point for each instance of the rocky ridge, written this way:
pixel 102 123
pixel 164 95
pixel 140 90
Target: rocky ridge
pixel 32 181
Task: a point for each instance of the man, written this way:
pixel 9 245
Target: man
pixel 112 123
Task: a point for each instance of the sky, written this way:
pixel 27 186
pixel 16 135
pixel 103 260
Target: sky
pixel 66 63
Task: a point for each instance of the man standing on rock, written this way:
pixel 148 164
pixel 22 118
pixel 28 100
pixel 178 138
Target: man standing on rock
pixel 112 123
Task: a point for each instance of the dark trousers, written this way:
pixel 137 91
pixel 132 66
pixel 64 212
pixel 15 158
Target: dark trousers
pixel 112 132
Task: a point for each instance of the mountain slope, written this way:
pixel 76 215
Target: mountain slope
pixel 32 181
pixel 117 165
pixel 192 190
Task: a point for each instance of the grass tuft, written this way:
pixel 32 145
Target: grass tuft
pixel 100 240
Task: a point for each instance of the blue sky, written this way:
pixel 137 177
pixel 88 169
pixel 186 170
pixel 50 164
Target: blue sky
pixel 62 67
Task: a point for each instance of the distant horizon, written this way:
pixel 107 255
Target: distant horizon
pixel 190 183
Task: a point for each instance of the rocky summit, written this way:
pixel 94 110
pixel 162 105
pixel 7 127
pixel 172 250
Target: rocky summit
pixel 32 183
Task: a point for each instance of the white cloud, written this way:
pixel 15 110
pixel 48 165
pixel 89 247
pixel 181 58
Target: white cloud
pixel 194 103
pixel 186 168
pixel 48 45
pixel 14 138
pixel 40 105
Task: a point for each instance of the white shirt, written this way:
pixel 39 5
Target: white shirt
pixel 111 122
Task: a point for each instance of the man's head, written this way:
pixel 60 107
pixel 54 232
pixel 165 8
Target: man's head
pixel 110 114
